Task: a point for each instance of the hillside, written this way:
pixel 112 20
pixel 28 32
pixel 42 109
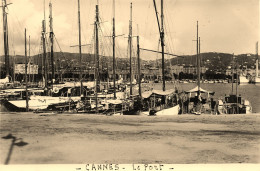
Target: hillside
pixel 211 60
pixel 216 61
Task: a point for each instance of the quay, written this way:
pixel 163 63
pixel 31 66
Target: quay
pixel 83 138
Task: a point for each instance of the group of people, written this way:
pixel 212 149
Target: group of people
pixel 196 104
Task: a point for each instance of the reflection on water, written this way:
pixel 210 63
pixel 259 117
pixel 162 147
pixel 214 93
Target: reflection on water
pixel 250 92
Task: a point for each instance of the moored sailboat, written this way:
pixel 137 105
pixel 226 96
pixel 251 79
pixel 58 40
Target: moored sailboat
pixel 161 102
pixel 49 97
pixel 198 100
pixel 233 103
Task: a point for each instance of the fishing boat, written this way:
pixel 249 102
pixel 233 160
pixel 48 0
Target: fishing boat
pixel 161 102
pixel 15 99
pixel 101 97
pixel 52 96
pixel 7 82
pixel 134 101
pixel 233 103
pixel 6 44
pixel 37 103
pixel 199 101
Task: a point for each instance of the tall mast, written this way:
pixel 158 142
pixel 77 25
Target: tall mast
pixel 237 110
pixel 44 57
pixel 97 44
pixel 42 60
pixel 256 66
pixel 139 68
pixel 114 56
pixel 29 57
pixel 198 59
pixel 162 44
pixel 26 86
pixel 232 72
pixel 14 67
pixel 80 55
pixel 97 58
pixel 130 48
pixel 6 45
pixel 51 40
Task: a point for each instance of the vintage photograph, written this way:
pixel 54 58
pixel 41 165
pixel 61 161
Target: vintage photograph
pixel 148 83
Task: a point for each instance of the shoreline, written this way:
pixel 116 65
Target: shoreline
pixel 143 113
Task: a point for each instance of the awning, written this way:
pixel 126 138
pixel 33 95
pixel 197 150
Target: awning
pixel 196 89
pixel 147 94
pixel 164 93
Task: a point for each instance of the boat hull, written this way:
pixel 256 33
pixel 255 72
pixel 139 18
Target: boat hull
pixel 37 103
pixel 233 108
pixel 169 112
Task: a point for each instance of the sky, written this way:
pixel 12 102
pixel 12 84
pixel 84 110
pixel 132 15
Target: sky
pixel 229 26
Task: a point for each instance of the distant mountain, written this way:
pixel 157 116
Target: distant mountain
pixel 216 61
pixel 211 60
